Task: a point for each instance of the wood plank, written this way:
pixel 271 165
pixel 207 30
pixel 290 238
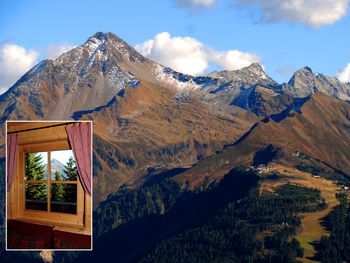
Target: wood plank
pixel 18 126
pixel 49 222
pixel 21 186
pixel 80 203
pixel 45 135
pixel 88 216
pixel 82 231
pixel 55 218
pixel 48 181
pixel 46 146
pixel 13 126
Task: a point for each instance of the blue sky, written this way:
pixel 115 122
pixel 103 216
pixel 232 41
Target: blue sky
pixel 282 35
pixel 62 156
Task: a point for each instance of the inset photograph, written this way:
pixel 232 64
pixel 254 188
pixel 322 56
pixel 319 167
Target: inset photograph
pixel 49 185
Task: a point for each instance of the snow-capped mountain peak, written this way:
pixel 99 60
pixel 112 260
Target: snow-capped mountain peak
pixel 250 74
pixel 91 75
pixel 256 69
pixel 305 82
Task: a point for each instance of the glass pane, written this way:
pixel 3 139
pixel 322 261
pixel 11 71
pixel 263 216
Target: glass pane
pixel 64 198
pixel 36 166
pixel 63 166
pixel 36 196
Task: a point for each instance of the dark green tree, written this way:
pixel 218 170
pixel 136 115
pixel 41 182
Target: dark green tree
pixel 70 169
pixel 57 191
pixel 35 170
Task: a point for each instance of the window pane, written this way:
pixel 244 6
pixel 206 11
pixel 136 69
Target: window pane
pixel 36 166
pixel 64 198
pixel 63 166
pixel 36 196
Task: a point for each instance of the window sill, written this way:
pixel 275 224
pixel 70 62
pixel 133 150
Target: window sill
pixel 81 231
pixel 55 224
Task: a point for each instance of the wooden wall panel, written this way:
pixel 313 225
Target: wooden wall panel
pixel 18 126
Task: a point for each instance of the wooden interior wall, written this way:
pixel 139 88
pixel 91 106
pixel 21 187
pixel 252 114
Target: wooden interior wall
pixel 52 138
pixel 50 134
pixel 13 126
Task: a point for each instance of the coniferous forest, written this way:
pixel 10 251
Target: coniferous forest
pixel 336 246
pixel 62 195
pixel 229 221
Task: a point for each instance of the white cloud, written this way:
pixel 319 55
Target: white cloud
pixel 14 62
pixel 183 54
pixel 54 51
pixel 233 59
pixel 188 55
pixel 315 13
pixel 344 75
pixel 195 3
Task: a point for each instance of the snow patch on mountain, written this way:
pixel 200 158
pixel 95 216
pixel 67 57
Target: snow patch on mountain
pixel 166 76
pixel 94 43
pixel 119 79
pixel 182 81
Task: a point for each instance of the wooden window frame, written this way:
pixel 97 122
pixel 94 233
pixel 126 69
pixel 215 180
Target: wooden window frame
pixel 55 218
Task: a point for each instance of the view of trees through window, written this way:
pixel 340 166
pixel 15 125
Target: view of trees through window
pixel 54 193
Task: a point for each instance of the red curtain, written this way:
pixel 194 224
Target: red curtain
pixel 11 158
pixel 79 136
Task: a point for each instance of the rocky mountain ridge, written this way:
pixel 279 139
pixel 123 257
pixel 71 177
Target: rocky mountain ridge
pixel 90 75
pixel 149 118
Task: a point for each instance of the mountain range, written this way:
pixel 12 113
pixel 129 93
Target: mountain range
pixel 149 119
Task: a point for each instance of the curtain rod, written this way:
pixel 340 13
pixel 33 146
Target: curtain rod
pixel 39 128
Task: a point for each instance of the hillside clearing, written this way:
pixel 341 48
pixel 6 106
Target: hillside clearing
pixel 312 229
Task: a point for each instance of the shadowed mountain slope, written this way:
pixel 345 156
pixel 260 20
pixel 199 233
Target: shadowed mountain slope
pixel 150 128
pixel 321 130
